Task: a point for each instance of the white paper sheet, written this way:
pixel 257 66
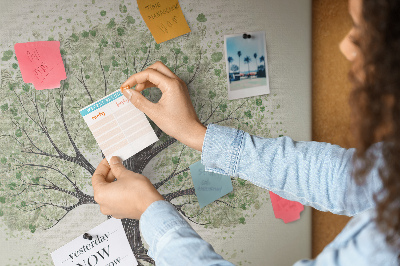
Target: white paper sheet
pixel 118 126
pixel 109 246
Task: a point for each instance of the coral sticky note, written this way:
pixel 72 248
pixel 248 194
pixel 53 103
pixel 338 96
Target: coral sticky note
pixel 41 63
pixel 284 209
pixel 164 18
pixel 209 186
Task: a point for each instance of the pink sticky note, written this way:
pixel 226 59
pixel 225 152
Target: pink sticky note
pixel 41 63
pixel 284 209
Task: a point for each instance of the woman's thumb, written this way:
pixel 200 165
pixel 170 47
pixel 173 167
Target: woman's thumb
pixel 117 167
pixel 138 100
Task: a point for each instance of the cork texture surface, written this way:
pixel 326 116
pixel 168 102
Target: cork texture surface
pixel 330 99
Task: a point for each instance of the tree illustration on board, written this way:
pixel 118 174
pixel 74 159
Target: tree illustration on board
pixel 47 148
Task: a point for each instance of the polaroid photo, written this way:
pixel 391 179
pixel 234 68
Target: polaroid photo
pixel 246 65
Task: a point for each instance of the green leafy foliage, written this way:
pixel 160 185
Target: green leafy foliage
pixel 248 114
pixel 18 133
pixel 164 59
pixel 122 8
pixel 7 55
pixel 111 24
pixel 175 160
pixel 32 228
pixel 190 69
pixel 216 57
pixel 212 94
pixel 130 20
pixel 121 31
pixel 223 107
pixel 74 37
pixel 4 107
pixel 26 87
pixel 201 18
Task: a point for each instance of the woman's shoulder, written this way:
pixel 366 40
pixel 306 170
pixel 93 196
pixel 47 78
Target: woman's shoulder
pixel 363 239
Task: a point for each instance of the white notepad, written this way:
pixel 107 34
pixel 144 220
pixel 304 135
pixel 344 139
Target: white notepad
pixel 118 126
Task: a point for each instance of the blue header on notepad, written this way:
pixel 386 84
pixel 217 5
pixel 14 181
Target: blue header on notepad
pixel 100 103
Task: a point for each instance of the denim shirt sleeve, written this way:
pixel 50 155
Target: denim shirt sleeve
pixel 312 173
pixel 172 241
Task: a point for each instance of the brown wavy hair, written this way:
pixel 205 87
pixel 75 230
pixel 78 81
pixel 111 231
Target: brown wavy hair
pixel 375 103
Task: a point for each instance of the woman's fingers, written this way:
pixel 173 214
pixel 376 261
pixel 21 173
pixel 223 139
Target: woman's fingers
pixel 153 76
pixel 143 86
pixel 110 177
pixel 160 67
pixel 141 102
pixel 100 175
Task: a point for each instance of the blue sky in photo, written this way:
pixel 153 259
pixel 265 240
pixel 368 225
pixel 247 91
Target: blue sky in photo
pixel 248 47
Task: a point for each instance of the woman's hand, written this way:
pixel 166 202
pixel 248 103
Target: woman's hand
pixel 128 197
pixel 174 112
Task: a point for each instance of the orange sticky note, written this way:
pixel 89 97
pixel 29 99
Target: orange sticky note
pixel 164 18
pixel 284 209
pixel 41 63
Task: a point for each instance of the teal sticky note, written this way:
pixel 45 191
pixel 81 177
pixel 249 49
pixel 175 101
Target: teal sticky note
pixel 209 186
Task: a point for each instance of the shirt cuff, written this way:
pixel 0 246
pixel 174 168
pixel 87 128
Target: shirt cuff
pixel 158 219
pixel 222 148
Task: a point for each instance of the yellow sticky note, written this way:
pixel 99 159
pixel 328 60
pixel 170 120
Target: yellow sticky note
pixel 164 18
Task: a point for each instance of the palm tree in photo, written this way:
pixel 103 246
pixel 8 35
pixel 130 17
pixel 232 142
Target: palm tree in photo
pixel 239 54
pixel 230 60
pixel 262 59
pixel 255 60
pixel 247 60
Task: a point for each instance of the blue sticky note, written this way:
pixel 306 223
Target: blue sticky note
pixel 209 186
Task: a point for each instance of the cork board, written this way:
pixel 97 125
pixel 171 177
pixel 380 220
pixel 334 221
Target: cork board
pixel 330 108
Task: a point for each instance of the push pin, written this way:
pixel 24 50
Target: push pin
pixel 246 36
pixel 87 236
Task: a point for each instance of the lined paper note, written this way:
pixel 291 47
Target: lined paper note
pixel 118 126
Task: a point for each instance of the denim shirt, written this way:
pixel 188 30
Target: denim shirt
pixel 312 173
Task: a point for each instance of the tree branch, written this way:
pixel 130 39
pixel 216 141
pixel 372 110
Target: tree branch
pixel 57 170
pixel 195 72
pixel 147 58
pixel 104 76
pixel 161 183
pixel 82 81
pixel 212 112
pixel 176 194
